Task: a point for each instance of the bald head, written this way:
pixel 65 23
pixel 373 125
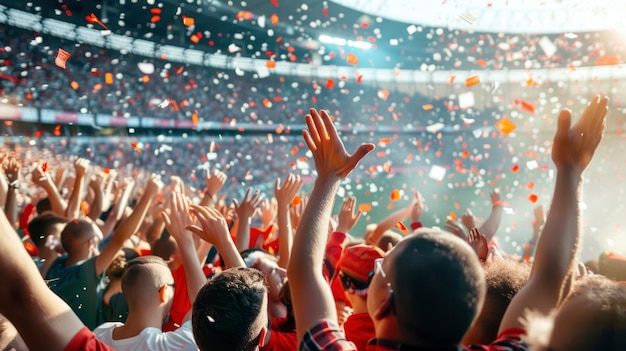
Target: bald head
pixel 142 279
pixel 439 286
pixel 75 232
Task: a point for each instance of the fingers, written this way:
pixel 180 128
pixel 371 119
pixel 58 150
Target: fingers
pixel 321 122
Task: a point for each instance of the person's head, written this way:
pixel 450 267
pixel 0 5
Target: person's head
pixel 275 277
pixel 356 269
pixel 427 290
pixel 45 230
pixel 504 279
pixel 230 311
pixel 167 248
pixel 78 238
pixel 147 283
pixel 117 266
pixel 389 240
pixel 593 317
pixel 43 205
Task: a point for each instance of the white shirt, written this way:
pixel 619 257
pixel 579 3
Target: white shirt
pixel 149 339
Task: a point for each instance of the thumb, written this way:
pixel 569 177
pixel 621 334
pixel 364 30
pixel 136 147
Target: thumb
pixel 195 229
pixel 363 150
pixel 564 122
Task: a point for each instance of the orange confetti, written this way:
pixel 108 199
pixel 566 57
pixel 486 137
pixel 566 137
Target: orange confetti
pixel 465 154
pixel 194 38
pixel 194 119
pixel 106 171
pixel 505 126
pixel 155 19
pixel 427 107
pixel 471 81
pixel 451 79
pixel 108 78
pixel 296 200
pixel 294 150
pixel 270 64
pixel 146 78
pixel 524 105
pixel 74 85
pixel 352 59
pixel 274 19
pixel 533 198
pixel 452 216
pixel 395 195
pixel 531 185
pixel 481 63
pixel 330 84
pixel 387 167
pixel 402 228
pixel 94 19
pixel 188 21
pixel 57 130
pixel 607 60
pixel 384 141
pixel 134 145
pixel 62 57
pixel 365 207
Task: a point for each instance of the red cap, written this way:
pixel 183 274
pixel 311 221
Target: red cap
pixel 358 261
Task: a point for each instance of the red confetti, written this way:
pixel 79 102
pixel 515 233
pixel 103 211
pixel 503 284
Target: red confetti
pixel 94 19
pixel 155 11
pixel 359 78
pixel 61 58
pixel 402 228
pixel 330 84
pixel 44 166
pixel 533 198
pixel 325 11
pixel 524 105
pixel 275 3
pixel 515 168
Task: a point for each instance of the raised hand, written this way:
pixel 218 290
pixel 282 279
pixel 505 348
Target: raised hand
pixel 478 242
pixel 347 217
pixel 575 145
pixel 330 156
pixel 154 184
pixel 215 180
pixel 177 185
pixel 82 166
pixel 455 228
pixel 539 220
pixel 39 176
pixel 267 211
pixel 496 200
pixel 212 225
pixel 287 192
pixel 176 216
pixel 11 169
pixel 468 220
pixel 295 212
pixel 249 205
pixel 417 207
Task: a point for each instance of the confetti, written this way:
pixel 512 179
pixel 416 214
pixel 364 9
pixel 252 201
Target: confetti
pixel 395 195
pixel 62 57
pixel 437 173
pixel 365 207
pixel 533 198
pixel 136 147
pixel 108 78
pixel 427 107
pixel 515 168
pixel 188 21
pixel 352 59
pixel 274 19
pixel 524 105
pixel 44 166
pixel 94 19
pixel 471 81
pixel 57 130
pixel 403 229
pixel 74 85
pixel 330 84
pixel 434 128
pixel 270 64
pixel 505 126
pixel 468 17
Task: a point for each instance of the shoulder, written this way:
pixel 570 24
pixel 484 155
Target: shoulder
pixel 85 340
pixel 508 340
pixel 325 335
pixel 56 267
pixel 179 339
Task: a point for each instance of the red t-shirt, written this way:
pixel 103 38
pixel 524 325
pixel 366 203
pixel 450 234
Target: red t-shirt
pixel 359 328
pixel 281 338
pixel 180 303
pixel 85 340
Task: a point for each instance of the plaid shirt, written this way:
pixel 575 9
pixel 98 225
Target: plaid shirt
pixel 325 336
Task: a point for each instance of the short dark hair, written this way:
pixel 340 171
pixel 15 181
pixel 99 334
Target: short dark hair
pixel 77 229
pixel 438 285
pixel 43 205
pixel 226 312
pixel 40 227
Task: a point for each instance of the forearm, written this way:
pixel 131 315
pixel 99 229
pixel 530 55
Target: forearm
pixel 193 271
pixel 97 205
pixel 310 239
pixel 207 199
pixel 4 186
pixel 73 206
pixel 57 204
pixel 554 255
pixel 243 234
pixel 285 237
pixel 10 207
pixel 490 227
pixel 130 226
pixel 228 252
pixel 389 222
